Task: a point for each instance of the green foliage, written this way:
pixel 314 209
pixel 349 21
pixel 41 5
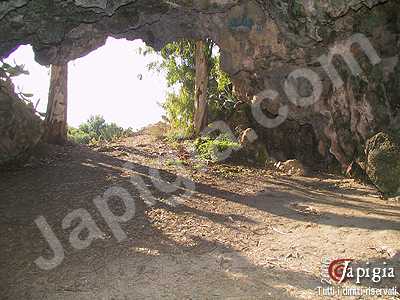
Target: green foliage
pixel 94 126
pixel 178 61
pixel 111 132
pixel 174 162
pixel 207 147
pixel 78 136
pixel 179 111
pixel 96 130
pixel 221 98
pixel 8 71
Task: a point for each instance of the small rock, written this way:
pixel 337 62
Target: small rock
pixel 291 167
pixel 249 136
pixel 253 149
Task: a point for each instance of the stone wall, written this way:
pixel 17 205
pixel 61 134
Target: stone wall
pixel 262 42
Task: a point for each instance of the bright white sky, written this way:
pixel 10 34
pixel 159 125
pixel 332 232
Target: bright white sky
pixel 104 82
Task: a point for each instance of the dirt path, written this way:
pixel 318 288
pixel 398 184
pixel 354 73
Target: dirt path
pixel 239 233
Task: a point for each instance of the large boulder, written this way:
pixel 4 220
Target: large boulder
pixel 383 162
pixel 20 128
pixel 253 150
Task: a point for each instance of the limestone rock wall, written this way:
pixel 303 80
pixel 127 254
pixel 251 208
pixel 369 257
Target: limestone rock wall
pixel 262 43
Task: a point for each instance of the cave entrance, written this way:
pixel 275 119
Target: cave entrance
pixel 113 81
pixel 129 85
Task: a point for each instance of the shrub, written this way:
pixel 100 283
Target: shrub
pixel 111 132
pixel 78 136
pixel 208 148
pixel 96 130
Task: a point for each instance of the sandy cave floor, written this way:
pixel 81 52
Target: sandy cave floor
pixel 241 233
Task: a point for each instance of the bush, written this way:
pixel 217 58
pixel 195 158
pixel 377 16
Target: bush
pixel 208 148
pixel 111 132
pixel 96 130
pixel 78 136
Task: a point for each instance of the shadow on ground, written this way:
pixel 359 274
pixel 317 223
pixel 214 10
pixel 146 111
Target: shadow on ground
pixel 186 251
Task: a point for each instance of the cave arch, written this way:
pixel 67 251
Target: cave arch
pixel 260 41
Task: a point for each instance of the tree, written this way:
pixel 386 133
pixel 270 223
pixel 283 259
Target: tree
pixel 201 92
pixel 178 61
pixel 56 115
pixel 202 62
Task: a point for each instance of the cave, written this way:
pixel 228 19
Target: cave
pixel 262 44
pixel 321 82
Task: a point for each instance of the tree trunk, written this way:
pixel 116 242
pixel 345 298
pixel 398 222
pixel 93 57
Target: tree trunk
pixel 56 115
pixel 201 109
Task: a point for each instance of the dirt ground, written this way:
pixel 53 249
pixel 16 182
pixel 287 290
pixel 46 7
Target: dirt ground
pixel 238 233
